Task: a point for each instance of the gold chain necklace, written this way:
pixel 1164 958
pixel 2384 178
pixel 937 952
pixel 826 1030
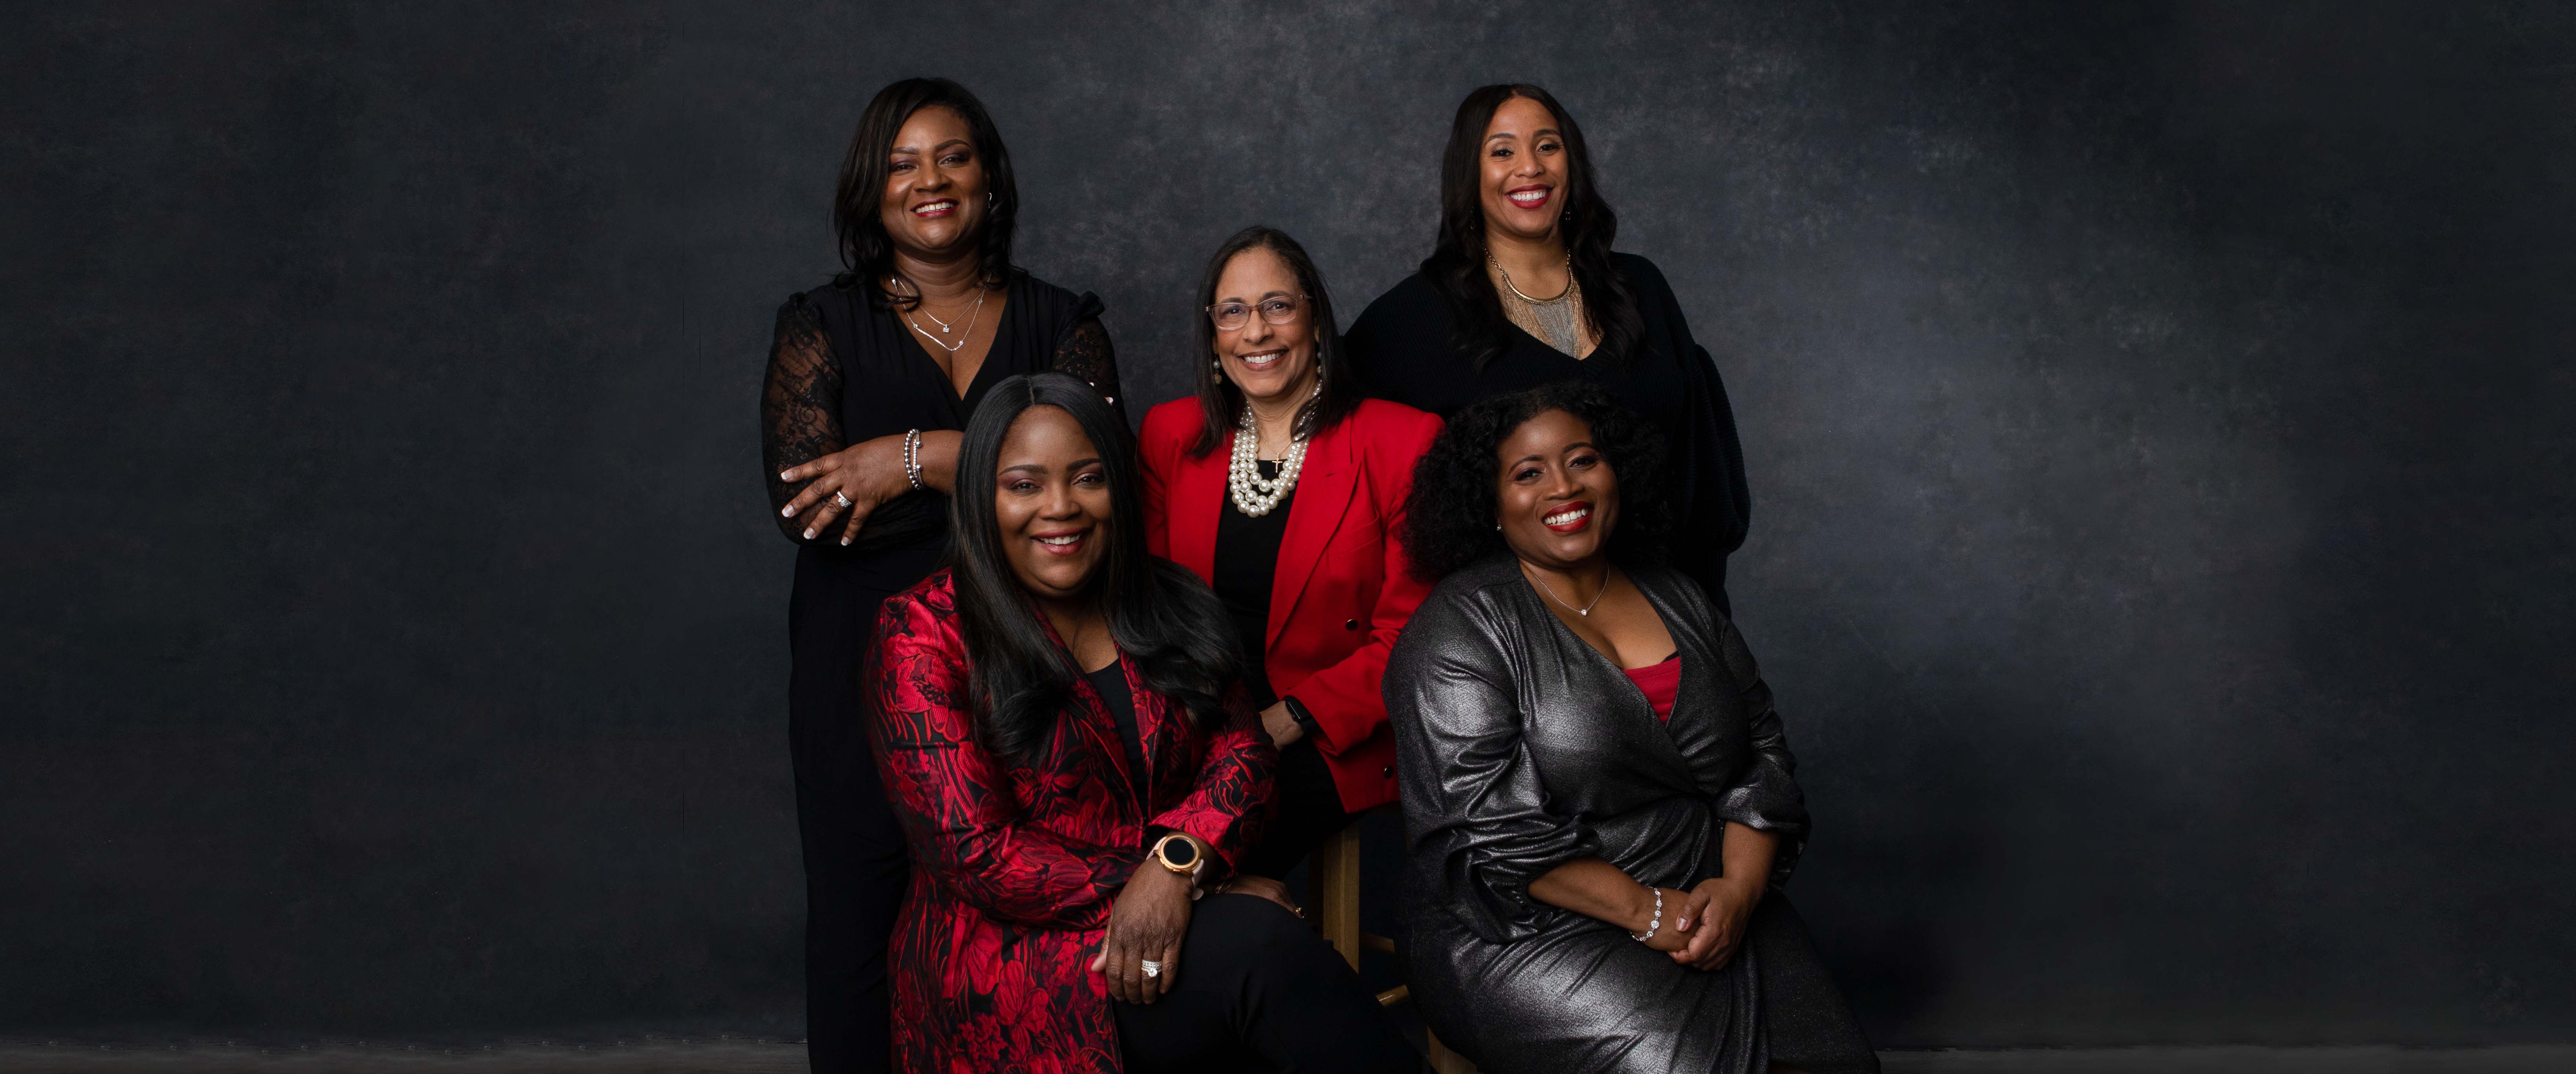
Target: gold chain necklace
pixel 1515 288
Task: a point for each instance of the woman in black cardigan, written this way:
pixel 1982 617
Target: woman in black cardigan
pixel 1522 289
pixel 1599 802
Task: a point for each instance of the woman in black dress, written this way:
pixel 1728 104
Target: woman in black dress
pixel 870 379
pixel 1522 288
pixel 1599 802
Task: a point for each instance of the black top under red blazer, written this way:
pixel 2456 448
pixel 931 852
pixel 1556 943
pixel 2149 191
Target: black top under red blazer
pixel 1342 590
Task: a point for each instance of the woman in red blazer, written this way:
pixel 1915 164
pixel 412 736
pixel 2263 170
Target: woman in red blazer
pixel 1283 489
pixel 1057 718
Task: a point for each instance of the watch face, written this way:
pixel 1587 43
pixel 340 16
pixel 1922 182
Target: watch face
pixel 1180 852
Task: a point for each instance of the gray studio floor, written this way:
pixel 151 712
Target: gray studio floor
pixel 736 1056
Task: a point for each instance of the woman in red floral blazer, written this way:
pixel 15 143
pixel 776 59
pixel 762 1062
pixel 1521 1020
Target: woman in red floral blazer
pixel 1059 721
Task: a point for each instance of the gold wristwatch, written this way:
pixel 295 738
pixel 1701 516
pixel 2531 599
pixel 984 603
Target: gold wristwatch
pixel 1181 854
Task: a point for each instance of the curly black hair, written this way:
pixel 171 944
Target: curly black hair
pixel 1449 519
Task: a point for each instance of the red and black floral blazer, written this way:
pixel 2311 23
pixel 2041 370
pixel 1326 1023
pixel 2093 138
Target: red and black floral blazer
pixel 1014 864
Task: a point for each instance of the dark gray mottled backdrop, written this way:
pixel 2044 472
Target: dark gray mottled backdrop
pixel 2158 418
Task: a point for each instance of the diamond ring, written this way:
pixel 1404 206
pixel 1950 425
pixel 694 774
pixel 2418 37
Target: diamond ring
pixel 841 501
pixel 1153 968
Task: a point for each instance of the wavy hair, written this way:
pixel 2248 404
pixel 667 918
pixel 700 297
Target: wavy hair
pixel 1219 400
pixel 867 252
pixel 1160 614
pixel 1449 519
pixel 1456 267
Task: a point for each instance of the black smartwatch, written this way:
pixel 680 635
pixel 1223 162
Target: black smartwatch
pixel 1305 720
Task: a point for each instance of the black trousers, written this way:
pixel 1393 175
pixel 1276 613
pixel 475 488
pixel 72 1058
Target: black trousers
pixel 1310 808
pixel 855 871
pixel 1257 989
pixel 855 865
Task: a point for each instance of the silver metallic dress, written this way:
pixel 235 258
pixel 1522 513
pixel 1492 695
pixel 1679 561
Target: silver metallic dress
pixel 1522 748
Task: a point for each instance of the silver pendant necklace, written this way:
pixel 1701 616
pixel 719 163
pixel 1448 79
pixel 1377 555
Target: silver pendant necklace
pixel 944 326
pixel 1586 610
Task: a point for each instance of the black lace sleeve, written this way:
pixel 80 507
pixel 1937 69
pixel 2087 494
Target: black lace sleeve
pixel 1086 353
pixel 800 405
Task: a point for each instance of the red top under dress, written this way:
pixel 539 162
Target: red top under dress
pixel 1660 682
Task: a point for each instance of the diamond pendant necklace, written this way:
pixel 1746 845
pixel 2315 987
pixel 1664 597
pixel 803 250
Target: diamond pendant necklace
pixel 1586 610
pixel 943 325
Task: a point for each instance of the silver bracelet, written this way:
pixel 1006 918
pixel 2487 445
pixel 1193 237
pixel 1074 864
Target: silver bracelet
pixel 912 458
pixel 1652 926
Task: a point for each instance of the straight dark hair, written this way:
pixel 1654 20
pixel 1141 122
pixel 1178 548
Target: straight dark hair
pixel 1220 402
pixel 1160 614
pixel 1456 267
pixel 866 251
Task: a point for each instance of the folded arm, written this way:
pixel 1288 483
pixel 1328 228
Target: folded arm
pixel 1764 796
pixel 1230 800
pixel 800 407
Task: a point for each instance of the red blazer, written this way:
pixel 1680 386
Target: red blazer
pixel 1014 864
pixel 1341 592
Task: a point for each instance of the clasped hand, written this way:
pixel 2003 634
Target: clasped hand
pixel 1704 927
pixel 869 473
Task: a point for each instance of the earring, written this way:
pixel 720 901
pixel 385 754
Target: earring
pixel 988 197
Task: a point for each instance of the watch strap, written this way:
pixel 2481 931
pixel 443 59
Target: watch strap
pixel 1305 720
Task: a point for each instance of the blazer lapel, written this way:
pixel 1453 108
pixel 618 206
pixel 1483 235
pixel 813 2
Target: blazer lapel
pixel 1153 730
pixel 1324 486
pixel 1092 723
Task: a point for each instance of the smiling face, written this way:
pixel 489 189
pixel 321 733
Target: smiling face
pixel 1051 503
pixel 1267 362
pixel 1555 496
pixel 1525 170
pixel 934 195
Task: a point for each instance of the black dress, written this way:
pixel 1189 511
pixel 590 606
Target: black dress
pixel 842 372
pixel 1521 748
pixel 1401 347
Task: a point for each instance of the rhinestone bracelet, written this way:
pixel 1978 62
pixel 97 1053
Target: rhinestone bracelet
pixel 912 458
pixel 1652 926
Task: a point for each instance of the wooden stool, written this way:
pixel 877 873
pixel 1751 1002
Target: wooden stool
pixel 1333 898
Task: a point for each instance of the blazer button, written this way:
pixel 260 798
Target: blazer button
pixel 1388 771
pixel 1350 624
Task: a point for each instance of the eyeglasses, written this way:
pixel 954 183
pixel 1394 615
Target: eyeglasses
pixel 1277 309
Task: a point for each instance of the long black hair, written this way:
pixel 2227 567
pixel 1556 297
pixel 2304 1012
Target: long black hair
pixel 1219 400
pixel 1456 267
pixel 1160 614
pixel 1449 517
pixel 858 201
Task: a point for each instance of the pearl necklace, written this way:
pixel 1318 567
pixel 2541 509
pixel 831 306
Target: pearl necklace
pixel 1253 494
